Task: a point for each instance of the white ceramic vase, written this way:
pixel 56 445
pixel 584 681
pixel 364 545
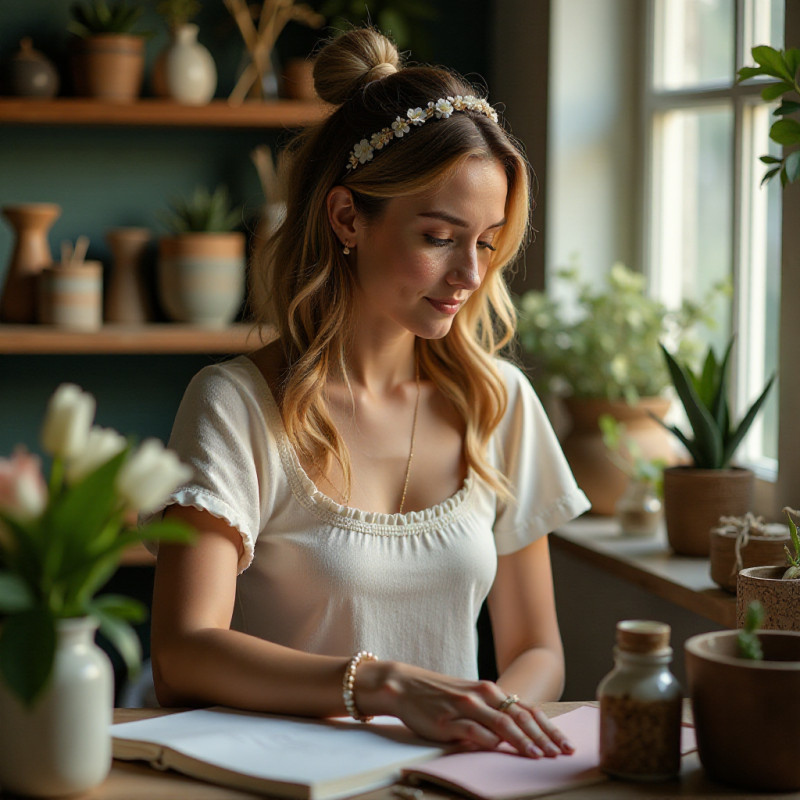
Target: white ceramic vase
pixel 62 745
pixel 186 71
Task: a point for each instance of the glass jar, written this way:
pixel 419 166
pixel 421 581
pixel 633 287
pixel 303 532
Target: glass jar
pixel 640 705
pixel 638 509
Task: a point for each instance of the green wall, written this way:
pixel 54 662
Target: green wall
pixel 104 177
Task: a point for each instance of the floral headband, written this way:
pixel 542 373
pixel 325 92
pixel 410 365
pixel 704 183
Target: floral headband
pixel 440 109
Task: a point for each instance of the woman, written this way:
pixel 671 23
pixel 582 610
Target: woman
pixel 377 471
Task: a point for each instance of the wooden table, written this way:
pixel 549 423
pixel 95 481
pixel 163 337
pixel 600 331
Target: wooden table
pixel 135 781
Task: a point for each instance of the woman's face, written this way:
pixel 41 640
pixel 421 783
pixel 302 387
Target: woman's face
pixel 420 261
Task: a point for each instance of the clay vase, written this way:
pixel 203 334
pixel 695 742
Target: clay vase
pixel 108 67
pixel 30 73
pixel 780 598
pixel 747 713
pixel 127 299
pixel 695 499
pixel 601 481
pixel 30 255
pixel 185 70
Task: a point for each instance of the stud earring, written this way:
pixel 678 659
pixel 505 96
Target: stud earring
pixel 346 249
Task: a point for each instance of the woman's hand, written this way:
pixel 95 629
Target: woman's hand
pixel 447 709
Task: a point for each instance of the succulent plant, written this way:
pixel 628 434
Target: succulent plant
pixel 793 558
pixel 96 17
pixel 203 212
pixel 748 644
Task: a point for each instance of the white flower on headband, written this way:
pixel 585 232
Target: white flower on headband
pixel 442 108
pixel 363 151
pixel 400 126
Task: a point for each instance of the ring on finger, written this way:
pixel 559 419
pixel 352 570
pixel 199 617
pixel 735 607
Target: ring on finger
pixel 508 702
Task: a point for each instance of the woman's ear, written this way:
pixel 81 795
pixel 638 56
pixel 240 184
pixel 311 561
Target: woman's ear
pixel 342 215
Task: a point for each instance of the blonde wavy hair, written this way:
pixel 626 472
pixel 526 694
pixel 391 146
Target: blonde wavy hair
pixel 303 285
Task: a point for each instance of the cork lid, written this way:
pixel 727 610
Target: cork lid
pixel 642 635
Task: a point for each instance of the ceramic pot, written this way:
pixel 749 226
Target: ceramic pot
pixel 760 550
pixel 201 277
pixel 29 256
pixel 185 70
pixel 781 599
pixel 695 499
pixel 587 454
pixel 30 73
pixel 747 713
pixel 62 745
pixel 109 67
pixel 297 80
pixel 127 299
pixel 71 296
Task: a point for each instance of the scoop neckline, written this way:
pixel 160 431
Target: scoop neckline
pixel 313 498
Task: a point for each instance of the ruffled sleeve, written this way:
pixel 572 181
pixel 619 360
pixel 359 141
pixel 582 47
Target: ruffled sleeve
pixel 526 450
pixel 221 433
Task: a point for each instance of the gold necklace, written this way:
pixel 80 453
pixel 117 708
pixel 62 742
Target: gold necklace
pixel 413 436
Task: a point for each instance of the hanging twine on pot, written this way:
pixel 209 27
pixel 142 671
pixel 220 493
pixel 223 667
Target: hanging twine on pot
pixel 742 527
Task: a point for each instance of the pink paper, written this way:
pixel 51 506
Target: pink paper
pixel 500 776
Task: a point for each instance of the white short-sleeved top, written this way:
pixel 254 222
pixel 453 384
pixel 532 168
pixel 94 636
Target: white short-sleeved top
pixel 329 579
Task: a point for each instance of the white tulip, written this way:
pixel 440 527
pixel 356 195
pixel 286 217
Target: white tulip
pixel 150 475
pixel 67 421
pixel 102 444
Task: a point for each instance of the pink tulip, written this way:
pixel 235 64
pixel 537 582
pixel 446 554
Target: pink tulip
pixel 23 492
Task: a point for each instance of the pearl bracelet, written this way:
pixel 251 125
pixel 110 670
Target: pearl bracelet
pixel 348 682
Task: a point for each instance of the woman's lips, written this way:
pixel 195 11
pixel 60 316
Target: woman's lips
pixel 445 306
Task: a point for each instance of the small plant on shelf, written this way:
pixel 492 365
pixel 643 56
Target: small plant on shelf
pixel 793 555
pixel 748 644
pixel 704 397
pixel 203 211
pixel 97 17
pixel 177 13
pixel 626 454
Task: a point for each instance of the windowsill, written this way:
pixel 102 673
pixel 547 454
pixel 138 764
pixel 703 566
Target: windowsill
pixel 649 563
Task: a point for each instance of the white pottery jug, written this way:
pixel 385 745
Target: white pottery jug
pixel 186 70
pixel 62 745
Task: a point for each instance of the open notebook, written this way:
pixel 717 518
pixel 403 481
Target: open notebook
pixel 326 759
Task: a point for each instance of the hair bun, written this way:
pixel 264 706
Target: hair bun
pixel 351 61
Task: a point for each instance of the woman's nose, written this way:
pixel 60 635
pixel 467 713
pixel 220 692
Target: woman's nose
pixel 465 273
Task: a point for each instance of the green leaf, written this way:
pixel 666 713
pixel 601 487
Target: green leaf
pixel 745 73
pixel 747 642
pixel 770 160
pixel 792 58
pixel 735 439
pixel 121 607
pixel 121 636
pixel 27 652
pixel 769 174
pixel 775 90
pixel 706 435
pixel 166 530
pixel 772 62
pixel 786 107
pixel 785 131
pixel 792 166
pixel 15 594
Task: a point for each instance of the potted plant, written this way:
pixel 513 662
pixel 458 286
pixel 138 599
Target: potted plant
pixel 184 70
pixel 775 588
pixel 745 692
pixel 201 262
pixel 60 542
pixel 107 49
pixel 597 350
pixel 697 495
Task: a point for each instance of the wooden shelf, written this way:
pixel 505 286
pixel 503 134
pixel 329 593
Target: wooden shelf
pixel 649 563
pixel 119 339
pixel 153 112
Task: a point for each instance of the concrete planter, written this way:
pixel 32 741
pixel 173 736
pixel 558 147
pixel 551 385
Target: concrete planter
pixel 781 599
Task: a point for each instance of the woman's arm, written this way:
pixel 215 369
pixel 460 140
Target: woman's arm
pixel 528 650
pixel 199 660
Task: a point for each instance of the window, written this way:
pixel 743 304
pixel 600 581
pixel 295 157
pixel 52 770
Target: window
pixel 707 218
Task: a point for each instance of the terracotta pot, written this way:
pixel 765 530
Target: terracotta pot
pixel 781 599
pixel 760 550
pixel 747 713
pixel 695 499
pixel 30 255
pixel 71 296
pixel 201 277
pixel 108 67
pixel 602 482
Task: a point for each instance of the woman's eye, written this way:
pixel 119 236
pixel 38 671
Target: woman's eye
pixel 436 242
pixel 487 246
